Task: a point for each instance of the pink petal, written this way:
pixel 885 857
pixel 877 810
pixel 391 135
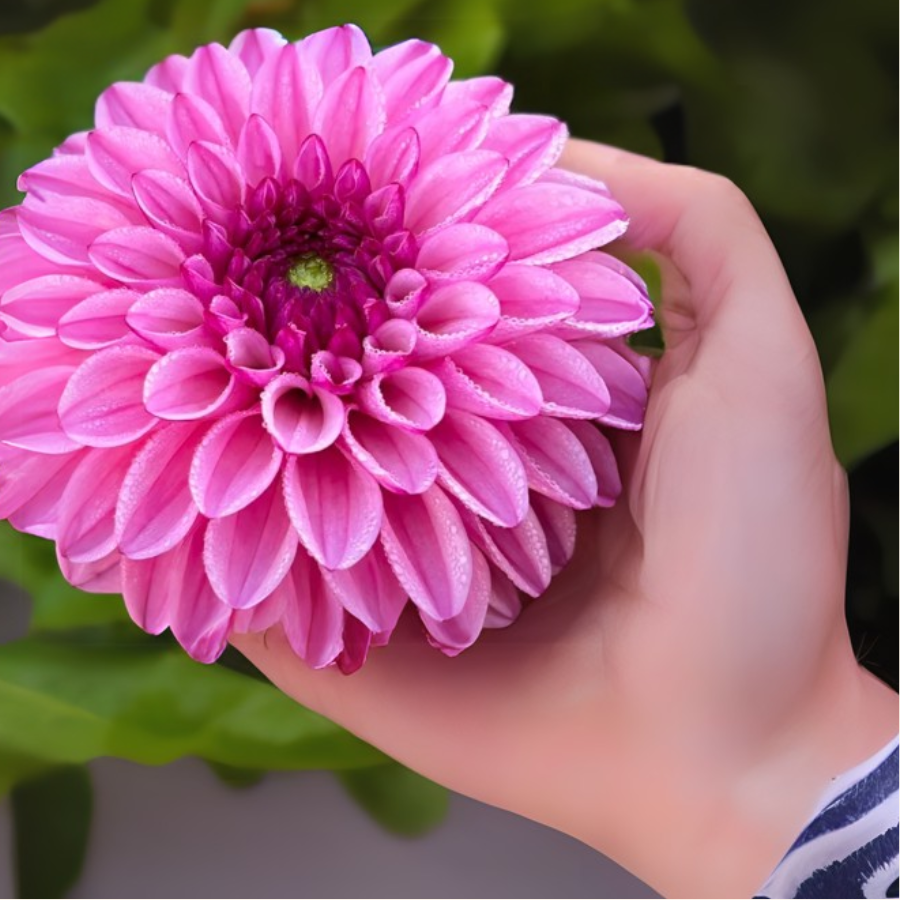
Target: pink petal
pixel 170 206
pixel 557 464
pixel 28 411
pixel 86 526
pixel 558 522
pixel 192 119
pixel 168 74
pixel 569 383
pixel 334 504
pixel 168 317
pixel 188 384
pixel 102 405
pixel 116 155
pixel 545 223
pixel 313 619
pixel 64 229
pixel 480 467
pixel 98 320
pixel 451 128
pixel 337 374
pixel 152 588
pixel 504 604
pixel 410 398
pixel 453 316
pixel 531 298
pixel 23 356
pixel 490 91
pixel 393 157
pixel 255 45
pixel 369 591
pixel 350 115
pixel 247 554
pixel 301 418
pixel 18 262
pixel 532 144
pixel 234 464
pixel 101 576
pixel 389 346
pixel 220 78
pixel 613 300
pixel 520 552
pixel 455 634
pixel 463 251
pixel 216 175
pixel 259 618
pixel 31 485
pixel 286 91
pixel 258 151
pixel 412 75
pixel 603 461
pixel 399 460
pixel 451 187
pixel 133 105
pixel 155 508
pixel 626 383
pixel 137 255
pixel 335 50
pixel 357 641
pixel 490 381
pixel 251 357
pixel 36 305
pixel 429 551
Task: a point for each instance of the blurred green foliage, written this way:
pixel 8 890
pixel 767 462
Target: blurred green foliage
pixel 795 100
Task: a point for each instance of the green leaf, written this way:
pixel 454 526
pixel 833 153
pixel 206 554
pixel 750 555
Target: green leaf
pixel 150 703
pixel 51 821
pixel 862 386
pixel 397 798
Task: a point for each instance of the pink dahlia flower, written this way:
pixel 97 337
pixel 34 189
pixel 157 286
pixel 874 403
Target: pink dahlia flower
pixel 298 334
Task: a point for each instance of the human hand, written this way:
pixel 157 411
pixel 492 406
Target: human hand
pixel 686 687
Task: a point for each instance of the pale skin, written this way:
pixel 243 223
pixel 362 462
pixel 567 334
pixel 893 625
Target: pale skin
pixel 686 689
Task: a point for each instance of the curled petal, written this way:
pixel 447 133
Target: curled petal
pixel 167 317
pixel 86 525
pixel 603 460
pixel 462 251
pixel 188 384
pixel 155 509
pixel 102 405
pixel 369 590
pixel 428 549
pixel 412 74
pixel 337 374
pixel 569 383
pixel 399 460
pixel 313 618
pixel 98 320
pixel 626 377
pixel 452 186
pixel 389 346
pixel 490 381
pixel 251 356
pixel 544 223
pixel 247 554
pixel 410 398
pixel 456 633
pixel 531 299
pixel 35 306
pixel 480 467
pixel 334 504
pixel 557 464
pixel 520 552
pixel 137 255
pixel 235 462
pixel 453 316
pixel 300 417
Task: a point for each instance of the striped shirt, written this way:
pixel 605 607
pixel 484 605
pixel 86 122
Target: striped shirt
pixel 850 846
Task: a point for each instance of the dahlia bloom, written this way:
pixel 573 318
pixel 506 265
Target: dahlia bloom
pixel 298 334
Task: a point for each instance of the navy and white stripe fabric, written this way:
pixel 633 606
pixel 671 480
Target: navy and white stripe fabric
pixel 850 847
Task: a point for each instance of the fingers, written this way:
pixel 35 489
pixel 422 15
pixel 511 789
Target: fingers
pixel 739 291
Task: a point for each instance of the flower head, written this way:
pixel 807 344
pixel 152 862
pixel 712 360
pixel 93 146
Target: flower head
pixel 298 334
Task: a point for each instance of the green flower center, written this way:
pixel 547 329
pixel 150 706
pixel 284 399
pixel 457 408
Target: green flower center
pixel 312 272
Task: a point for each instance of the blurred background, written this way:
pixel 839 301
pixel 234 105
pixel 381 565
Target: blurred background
pixel 794 100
